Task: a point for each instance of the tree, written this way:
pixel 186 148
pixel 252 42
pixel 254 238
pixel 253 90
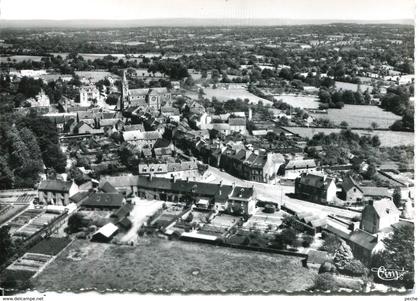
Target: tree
pixel 398 254
pixel 324 96
pixel 331 243
pixel 396 197
pixel 7 247
pixel 344 124
pixel 286 237
pixel 325 282
pixel 371 172
pixel 76 222
pixel 374 125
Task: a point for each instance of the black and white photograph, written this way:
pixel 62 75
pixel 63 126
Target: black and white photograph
pixel 207 147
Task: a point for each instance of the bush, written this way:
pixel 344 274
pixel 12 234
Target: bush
pixel 331 243
pixel 327 267
pixel 307 240
pixel 353 267
pixel 325 282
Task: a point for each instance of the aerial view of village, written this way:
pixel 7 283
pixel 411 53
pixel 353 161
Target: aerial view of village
pixel 190 158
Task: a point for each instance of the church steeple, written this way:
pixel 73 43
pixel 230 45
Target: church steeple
pixel 124 91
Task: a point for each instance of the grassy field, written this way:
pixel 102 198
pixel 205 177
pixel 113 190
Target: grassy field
pixel 163 266
pixel 300 101
pixel 21 58
pixel 388 138
pixel 360 116
pixel 233 93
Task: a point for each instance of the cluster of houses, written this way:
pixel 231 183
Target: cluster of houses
pixel 115 191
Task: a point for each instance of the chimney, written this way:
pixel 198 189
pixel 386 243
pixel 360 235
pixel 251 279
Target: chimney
pixel 151 176
pixel 188 179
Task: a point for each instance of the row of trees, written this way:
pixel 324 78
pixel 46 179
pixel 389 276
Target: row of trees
pixel 337 99
pixel 28 143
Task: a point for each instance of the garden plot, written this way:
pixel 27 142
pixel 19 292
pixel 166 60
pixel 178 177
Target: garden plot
pixel 22 219
pixel 40 221
pixel 32 262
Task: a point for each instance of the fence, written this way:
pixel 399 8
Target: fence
pixel 248 248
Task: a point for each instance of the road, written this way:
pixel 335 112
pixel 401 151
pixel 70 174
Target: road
pixel 277 193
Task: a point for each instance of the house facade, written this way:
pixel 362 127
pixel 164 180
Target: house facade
pixel 378 215
pixel 316 188
pixel 56 192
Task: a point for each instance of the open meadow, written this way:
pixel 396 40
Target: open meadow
pixel 360 116
pixel 161 265
pixel 299 101
pixel 223 94
pixel 387 138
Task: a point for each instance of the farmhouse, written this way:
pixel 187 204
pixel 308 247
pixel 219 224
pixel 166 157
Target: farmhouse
pixel 317 188
pixel 294 168
pixel 103 201
pixel 379 215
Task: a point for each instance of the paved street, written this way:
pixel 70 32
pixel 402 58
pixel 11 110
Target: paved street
pixel 277 193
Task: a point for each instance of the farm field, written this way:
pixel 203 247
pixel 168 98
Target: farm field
pixel 360 116
pixel 21 58
pixel 162 266
pixel 352 87
pixel 387 138
pixel 300 101
pixel 233 93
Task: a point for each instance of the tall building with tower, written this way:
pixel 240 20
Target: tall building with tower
pixel 146 98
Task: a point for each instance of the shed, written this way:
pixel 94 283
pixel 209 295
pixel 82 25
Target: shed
pixel 105 233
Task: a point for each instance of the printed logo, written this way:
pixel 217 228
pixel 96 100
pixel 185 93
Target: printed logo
pixel 389 274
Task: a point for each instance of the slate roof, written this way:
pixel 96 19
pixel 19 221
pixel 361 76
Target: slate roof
pixel 111 200
pixel 138 92
pixel 237 121
pixel 133 127
pixel 301 164
pixel 80 196
pixel 162 143
pixel 108 122
pixel 158 90
pixel 314 180
pixel 375 191
pixel 164 184
pixel 242 192
pixel 55 185
pixel 349 183
pixel 363 239
pixel 107 187
pixel 122 212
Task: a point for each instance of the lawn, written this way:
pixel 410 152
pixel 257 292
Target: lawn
pixel 300 101
pixel 161 266
pixel 360 116
pixel 50 246
pixel 233 93
pixel 21 58
pixel 387 138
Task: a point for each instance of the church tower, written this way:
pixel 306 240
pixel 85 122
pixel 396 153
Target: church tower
pixel 124 91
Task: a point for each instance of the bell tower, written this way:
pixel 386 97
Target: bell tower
pixel 124 91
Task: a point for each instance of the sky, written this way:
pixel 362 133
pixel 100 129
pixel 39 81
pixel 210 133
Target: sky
pixel 240 9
